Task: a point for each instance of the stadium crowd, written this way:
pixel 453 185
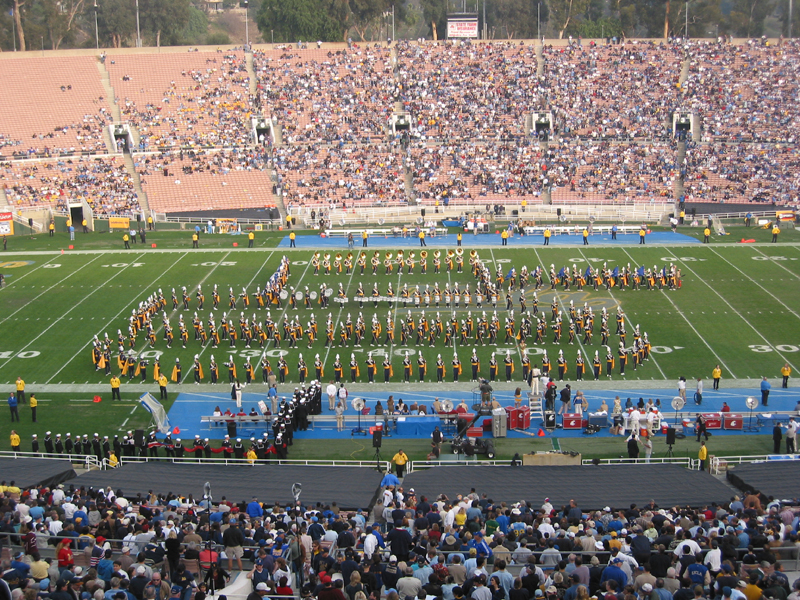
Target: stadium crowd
pixel 98 543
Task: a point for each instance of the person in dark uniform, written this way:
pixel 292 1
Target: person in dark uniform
pixel 206 448
pixel 59 445
pixel 226 446
pixel 97 446
pixel 34 444
pixel 152 439
pixel 238 449
pixel 179 450
pixel 48 444
pixel 116 444
pixel 777 436
pixel 106 447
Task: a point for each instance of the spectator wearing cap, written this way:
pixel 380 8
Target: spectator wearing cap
pixel 614 572
pixel 572 590
pixel 408 585
pixel 646 577
pixel 390 573
pixel 328 591
pixel 139 582
pixel 259 592
pixel 480 545
pixel 258 574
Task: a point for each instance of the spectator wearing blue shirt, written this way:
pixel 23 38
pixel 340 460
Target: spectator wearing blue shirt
pixel 765 388
pixel 12 404
pixel 697 573
pixel 503 522
pixel 613 572
pixel 254 510
pixel 480 545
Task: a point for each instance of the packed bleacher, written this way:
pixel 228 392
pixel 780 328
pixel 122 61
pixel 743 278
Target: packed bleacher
pixel 469 106
pixel 73 542
pixel 103 182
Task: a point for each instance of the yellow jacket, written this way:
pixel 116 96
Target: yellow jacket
pixel 400 458
pixel 20 385
pixel 786 371
pixel 15 441
pixel 703 453
pixel 716 373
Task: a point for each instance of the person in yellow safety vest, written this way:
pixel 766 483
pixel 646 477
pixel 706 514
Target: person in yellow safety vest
pixel 85 225
pixel 585 236
pixel 251 237
pixel 15 441
pixel 681 216
pixel 150 224
pixel 775 231
pixel 195 240
pixel 251 457
pixel 422 237
pixel 288 222
pixel 786 371
pixel 292 243
pixel 504 237
pixel 524 204
pixel 52 228
pixel 115 388
pixel 706 233
pixel 127 241
pixel 547 234
pixel 458 239
pixel 113 461
pixel 642 233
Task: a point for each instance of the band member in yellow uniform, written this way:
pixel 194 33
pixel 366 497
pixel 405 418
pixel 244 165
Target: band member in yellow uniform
pixel 355 372
pixel 493 368
pixel 302 369
pixel 388 372
pixel 623 358
pixel 371 368
pixel 407 368
pixel 422 366
pixel 338 370
pixel 213 370
pixel 177 371
pixel 456 368
pixel 562 365
pixel 509 364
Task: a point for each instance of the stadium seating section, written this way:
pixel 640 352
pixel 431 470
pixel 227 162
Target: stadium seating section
pixel 613 105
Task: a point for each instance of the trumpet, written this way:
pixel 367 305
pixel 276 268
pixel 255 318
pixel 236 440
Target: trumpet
pixel 423 254
pixel 436 253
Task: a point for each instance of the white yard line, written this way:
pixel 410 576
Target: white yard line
pixel 29 302
pixel 610 293
pixel 115 317
pixel 208 343
pixel 778 263
pixel 72 308
pixel 721 297
pixel 587 359
pixel 755 282
pixel 21 277
pixel 689 323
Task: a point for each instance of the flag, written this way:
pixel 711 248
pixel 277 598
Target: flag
pixel 510 272
pixel 640 271
pixel 588 272
pixel 615 272
pixel 561 273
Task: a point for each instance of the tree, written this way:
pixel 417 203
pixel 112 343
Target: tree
pixel 364 12
pixel 17 16
pixel 293 20
pixel 747 17
pixel 513 18
pixel 58 18
pixel 435 13
pixel 164 18
pixel 116 21
pixel 563 11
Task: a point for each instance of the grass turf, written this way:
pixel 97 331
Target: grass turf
pixel 739 307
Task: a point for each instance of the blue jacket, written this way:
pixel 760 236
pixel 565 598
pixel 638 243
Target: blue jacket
pixel 12 401
pixel 765 386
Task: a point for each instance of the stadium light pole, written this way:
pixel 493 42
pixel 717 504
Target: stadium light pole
pixel 138 31
pixel 790 19
pixel 246 24
pixel 96 32
pixel 686 27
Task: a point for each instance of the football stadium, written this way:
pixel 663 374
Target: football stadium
pixel 430 317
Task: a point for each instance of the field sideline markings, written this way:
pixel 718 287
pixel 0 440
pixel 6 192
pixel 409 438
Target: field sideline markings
pixel 345 371
pixel 689 323
pixel 145 343
pixel 496 265
pixel 28 303
pixel 777 263
pixel 21 277
pixel 72 308
pixel 261 268
pixel 610 293
pixel 721 297
pixel 279 321
pixel 758 284
pixel 115 317
pixel 588 359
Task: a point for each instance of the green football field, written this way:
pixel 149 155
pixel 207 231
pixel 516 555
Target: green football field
pixel 739 307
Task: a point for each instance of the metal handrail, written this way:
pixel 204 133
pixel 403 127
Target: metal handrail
pixel 679 460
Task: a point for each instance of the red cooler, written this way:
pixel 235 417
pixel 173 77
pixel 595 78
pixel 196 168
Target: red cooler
pixel 732 421
pixel 513 417
pixel 525 417
pixel 573 421
pixel 713 420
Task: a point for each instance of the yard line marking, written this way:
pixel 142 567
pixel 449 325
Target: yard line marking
pixel 27 304
pixel 495 265
pixel 133 410
pixel 115 317
pixel 588 359
pixel 610 293
pixel 689 323
pixel 339 316
pixel 777 263
pixel 754 281
pixel 279 321
pixel 208 343
pixel 124 423
pixel 766 341
pixel 74 306
pixel 21 277
pixel 145 343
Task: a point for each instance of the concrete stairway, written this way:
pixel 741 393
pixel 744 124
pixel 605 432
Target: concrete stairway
pixel 137 183
pixel 251 73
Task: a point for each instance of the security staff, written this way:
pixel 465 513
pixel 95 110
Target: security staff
pixel 115 383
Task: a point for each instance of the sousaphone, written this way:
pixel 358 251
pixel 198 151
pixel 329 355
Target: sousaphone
pixel 423 254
